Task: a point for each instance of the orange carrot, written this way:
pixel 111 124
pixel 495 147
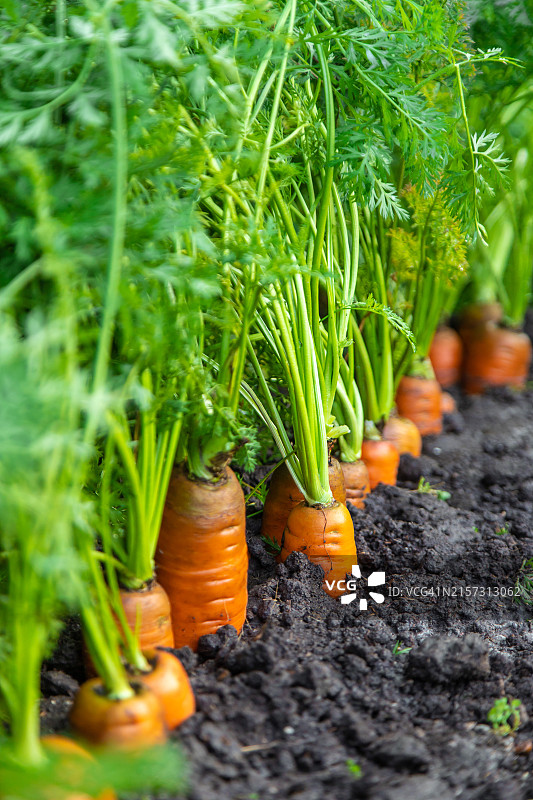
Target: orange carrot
pixel 170 684
pixel 324 534
pixel 382 460
pixel 149 609
pixel 418 399
pixel 201 555
pixel 132 723
pixel 404 435
pixel 446 356
pixel 356 481
pixel 71 752
pixel 283 495
pixel 495 357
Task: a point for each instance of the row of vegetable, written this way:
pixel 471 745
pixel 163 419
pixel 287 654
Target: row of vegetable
pixel 221 245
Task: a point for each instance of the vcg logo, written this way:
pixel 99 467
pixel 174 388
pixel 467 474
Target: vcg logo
pixel 350 587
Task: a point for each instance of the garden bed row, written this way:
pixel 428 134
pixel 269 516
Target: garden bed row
pixel 317 698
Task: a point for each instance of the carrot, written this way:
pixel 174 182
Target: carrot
pixel 325 534
pixel 71 753
pixel 446 356
pixel 447 403
pixel 404 435
pixel 148 611
pixel 495 357
pixel 130 723
pixel 170 684
pixel 201 556
pixel 382 460
pixel 283 495
pixel 418 399
pixel 356 482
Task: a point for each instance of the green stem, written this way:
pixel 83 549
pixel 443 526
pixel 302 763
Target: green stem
pixel 101 633
pixel 25 721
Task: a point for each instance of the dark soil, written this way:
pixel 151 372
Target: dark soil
pixel 318 699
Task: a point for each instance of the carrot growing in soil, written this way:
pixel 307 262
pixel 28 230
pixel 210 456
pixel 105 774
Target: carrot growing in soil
pixel 370 356
pixel 498 352
pixel 283 495
pixel 446 355
pixel 306 348
pixel 429 259
pixel 43 513
pixel 139 456
pixel 319 526
pixel 139 632
pixel 201 554
pixel 46 468
pixel 110 709
pixel 403 434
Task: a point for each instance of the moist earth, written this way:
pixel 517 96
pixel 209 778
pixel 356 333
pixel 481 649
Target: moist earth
pixel 318 699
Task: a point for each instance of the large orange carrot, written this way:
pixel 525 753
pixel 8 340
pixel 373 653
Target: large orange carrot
pixel 446 356
pixel 404 435
pixel 419 400
pixel 132 723
pixel 382 460
pixel 325 534
pixel 495 357
pixel 283 495
pixel 356 482
pixel 170 684
pixel 201 555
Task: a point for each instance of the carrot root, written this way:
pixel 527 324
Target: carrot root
pixel 404 435
pixel 356 481
pixel 382 460
pixel 130 724
pixel 419 400
pixel 202 557
pixel 495 357
pixel 170 684
pixel 283 495
pixel 326 535
pixel 446 356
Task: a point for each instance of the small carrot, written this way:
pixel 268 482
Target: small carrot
pixel 130 723
pixel 147 611
pixel 404 435
pixel 446 356
pixel 71 752
pixel 170 684
pixel 447 403
pixel 495 357
pixel 418 399
pixel 356 481
pixel 382 460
